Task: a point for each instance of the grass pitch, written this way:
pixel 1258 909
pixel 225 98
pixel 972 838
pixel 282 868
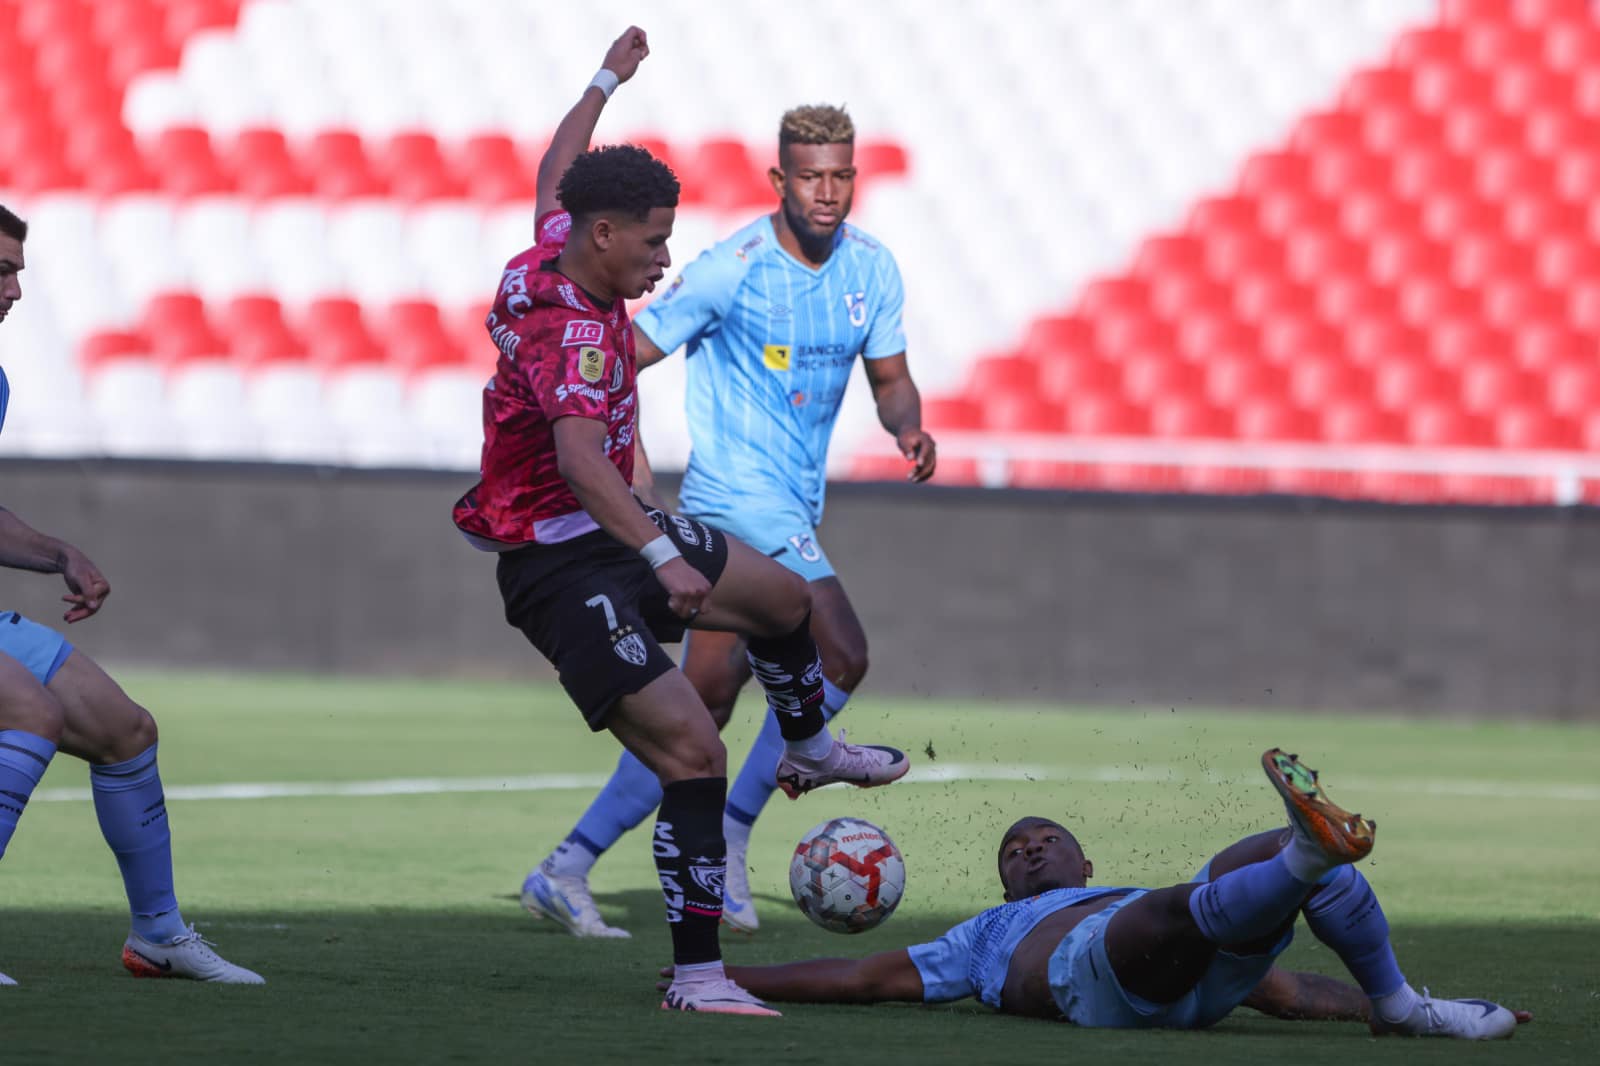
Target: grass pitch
pixel 387 926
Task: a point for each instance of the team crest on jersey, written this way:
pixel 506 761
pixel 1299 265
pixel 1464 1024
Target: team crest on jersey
pixel 591 364
pixel 583 331
pixel 514 287
pixel 617 374
pixel 776 356
pixel 805 547
pixel 856 304
pixel 631 650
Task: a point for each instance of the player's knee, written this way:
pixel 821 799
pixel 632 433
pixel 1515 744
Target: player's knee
pixel 707 758
pixel 791 605
pixel 141 732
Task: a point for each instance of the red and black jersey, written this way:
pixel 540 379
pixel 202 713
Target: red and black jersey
pixel 560 355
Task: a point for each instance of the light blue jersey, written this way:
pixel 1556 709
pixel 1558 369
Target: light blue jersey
pixel 972 959
pixel 771 344
pixel 5 396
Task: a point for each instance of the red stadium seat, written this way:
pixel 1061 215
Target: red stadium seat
pixel 1287 337
pixel 1327 131
pixel 1105 416
pixel 1317 381
pixel 1370 216
pixel 1231 254
pixel 1530 427
pixel 415 168
pixel 1539 347
pixel 1146 376
pixel 1133 331
pixel 1396 128
pixel 337 163
pixel 1231 379
pixel 1348 299
pixel 1264 418
pixel 1491 42
pixel 183 161
pixel 1477 260
pixel 1448 216
pixel 1527 86
pixel 1442 86
pixel 1408 257
pixel 261 165
pixel 1443 425
pixel 1402 385
pixel 1274 170
pixel 1536 217
pixel 1572 387
pixel 107 346
pixel 1376 339
pixel 1505 173
pixel 1313 256
pixel 1357 421
pixel 951 413
pixel 1427 171
pixel 1573 45
pixel 1491 384
pixel 1222 214
pixel 1290 212
pixel 1211 335
pixel 1263 298
pixel 1432 44
pixel 1337 172
pixel 1472 131
pixel 1110 296
pixel 1374 88
pixel 881 159
pixel 1558 131
pixel 1513 301
pixel 1003 373
pixel 1058 333
pixel 1166 254
pixel 1188 416
pixel 1583 305
pixel 1457 342
pixel 721 174
pixel 1021 412
pixel 1179 295
pixel 1428 300
pixel 1065 374
pixel 337 336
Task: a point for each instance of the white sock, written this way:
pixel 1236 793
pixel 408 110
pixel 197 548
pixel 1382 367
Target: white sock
pixel 1306 861
pixel 736 833
pixel 569 860
pixel 699 971
pixel 1397 1005
pixel 812 749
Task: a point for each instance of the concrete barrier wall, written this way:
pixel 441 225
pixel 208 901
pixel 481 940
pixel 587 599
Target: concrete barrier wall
pixel 1099 600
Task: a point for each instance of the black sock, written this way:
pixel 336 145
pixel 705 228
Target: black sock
pixel 691 860
pixel 789 668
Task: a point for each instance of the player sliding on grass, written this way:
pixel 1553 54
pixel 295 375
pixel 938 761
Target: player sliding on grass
pixel 595 580
pixel 54 697
pixel 773 319
pixel 1177 958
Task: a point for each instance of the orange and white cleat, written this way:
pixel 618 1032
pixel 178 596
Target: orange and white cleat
pixel 1342 836
pixel 188 956
pixel 861 765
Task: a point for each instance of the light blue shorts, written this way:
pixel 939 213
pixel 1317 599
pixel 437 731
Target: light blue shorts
pixel 784 535
pixel 1089 994
pixel 41 649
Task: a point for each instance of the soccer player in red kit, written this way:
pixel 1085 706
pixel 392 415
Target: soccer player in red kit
pixel 595 580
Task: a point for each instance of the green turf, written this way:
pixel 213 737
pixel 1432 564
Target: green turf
pixel 387 926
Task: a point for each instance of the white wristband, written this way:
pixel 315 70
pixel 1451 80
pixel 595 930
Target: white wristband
pixel 605 81
pixel 660 552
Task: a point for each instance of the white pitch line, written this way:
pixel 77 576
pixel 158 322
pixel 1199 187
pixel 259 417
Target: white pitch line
pixel 939 773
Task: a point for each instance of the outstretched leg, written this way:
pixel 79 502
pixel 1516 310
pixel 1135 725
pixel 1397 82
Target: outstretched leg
pixel 1161 944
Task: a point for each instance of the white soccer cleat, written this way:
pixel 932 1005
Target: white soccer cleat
pixel 189 956
pixel 1463 1019
pixel 862 765
pixel 4 980
pixel 567 900
pixel 716 996
pixel 738 907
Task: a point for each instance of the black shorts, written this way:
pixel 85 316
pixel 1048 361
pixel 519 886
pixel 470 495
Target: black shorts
pixel 594 608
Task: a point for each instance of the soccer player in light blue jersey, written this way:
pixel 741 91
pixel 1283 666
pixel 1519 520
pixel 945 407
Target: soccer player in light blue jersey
pixel 54 697
pixel 1180 957
pixel 773 321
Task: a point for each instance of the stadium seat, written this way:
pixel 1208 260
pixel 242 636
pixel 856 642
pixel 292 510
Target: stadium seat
pixel 1541 346
pixel 1145 376
pixel 1003 373
pixel 721 174
pixel 1530 427
pixel 1232 378
pixel 1064 374
pixel 1318 380
pixel 1021 412
pixel 1572 386
pixel 1266 418
pixel 1402 384
pixel 1185 416
pixel 1100 415
pixel 1490 383
pixel 951 414
pixel 1057 334
pixel 1434 424
pixel 339 168
pixel 1455 343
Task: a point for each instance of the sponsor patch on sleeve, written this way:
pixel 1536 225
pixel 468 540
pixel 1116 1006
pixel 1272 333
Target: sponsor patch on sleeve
pixel 591 364
pixel 582 331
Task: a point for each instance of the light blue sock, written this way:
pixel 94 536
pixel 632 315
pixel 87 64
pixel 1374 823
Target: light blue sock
pixel 132 810
pixel 1345 915
pixel 625 801
pixel 24 757
pixel 1248 903
pixel 757 778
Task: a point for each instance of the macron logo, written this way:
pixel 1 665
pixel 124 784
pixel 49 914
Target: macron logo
pixel 583 331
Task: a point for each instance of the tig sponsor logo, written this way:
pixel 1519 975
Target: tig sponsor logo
pixel 582 331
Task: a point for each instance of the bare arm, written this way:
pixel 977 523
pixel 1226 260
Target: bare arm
pixel 600 489
pixel 571 138
pixel 644 349
pixel 887 977
pixel 644 478
pixel 24 548
pixel 900 412
pixel 1308 997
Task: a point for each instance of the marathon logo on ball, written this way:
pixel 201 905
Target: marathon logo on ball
pixel 591 364
pixel 514 287
pixel 583 331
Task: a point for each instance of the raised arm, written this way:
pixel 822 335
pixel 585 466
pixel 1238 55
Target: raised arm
pixel 887 977
pixel 24 548
pixel 900 412
pixel 1308 997
pixel 571 138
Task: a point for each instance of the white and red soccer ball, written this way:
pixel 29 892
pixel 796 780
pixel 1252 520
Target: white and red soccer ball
pixel 847 875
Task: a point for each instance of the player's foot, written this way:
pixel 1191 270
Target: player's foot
pixel 862 765
pixel 1340 835
pixel 189 956
pixel 4 980
pixel 738 907
pixel 567 900
pixel 716 996
pixel 1464 1019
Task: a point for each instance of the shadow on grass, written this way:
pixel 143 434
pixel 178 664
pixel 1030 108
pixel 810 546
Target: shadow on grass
pixel 414 985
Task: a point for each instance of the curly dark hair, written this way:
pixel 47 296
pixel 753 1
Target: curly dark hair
pixel 12 226
pixel 619 177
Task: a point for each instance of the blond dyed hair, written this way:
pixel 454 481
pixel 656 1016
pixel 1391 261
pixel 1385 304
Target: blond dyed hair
pixel 815 124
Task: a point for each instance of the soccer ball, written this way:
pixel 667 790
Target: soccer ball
pixel 847 875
